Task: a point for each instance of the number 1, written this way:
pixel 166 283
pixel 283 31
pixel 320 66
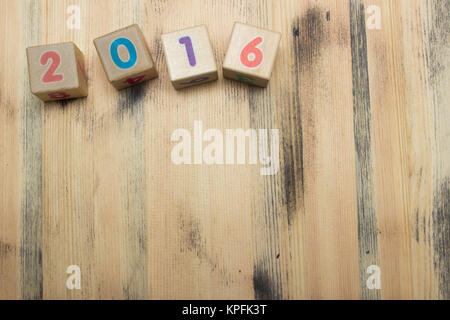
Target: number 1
pixel 189 50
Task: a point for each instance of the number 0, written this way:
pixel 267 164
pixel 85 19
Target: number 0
pixel 131 51
pixel 251 55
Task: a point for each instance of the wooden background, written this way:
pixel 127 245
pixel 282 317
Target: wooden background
pixel 364 125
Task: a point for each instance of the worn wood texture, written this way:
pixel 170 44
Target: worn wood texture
pixel 364 173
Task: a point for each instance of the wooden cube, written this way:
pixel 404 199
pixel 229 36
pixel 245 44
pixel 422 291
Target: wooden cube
pixel 125 57
pixel 189 57
pixel 57 71
pixel 251 54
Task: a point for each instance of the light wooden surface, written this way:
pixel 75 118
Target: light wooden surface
pixel 364 177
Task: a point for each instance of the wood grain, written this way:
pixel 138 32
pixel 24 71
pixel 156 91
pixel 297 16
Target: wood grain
pixel 364 174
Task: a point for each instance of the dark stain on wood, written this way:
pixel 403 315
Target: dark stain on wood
pixel 63 104
pixel 292 131
pixel 31 283
pixel 308 40
pixel 367 222
pixel 6 249
pixel 195 241
pixel 328 16
pixel 310 35
pixel 441 237
pixel 264 287
pixel 131 99
pixel 438 37
pixel 438 64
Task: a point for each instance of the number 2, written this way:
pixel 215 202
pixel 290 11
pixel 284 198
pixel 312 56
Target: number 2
pixel 50 75
pixel 189 50
pixel 251 55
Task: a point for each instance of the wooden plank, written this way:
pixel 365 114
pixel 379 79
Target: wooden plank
pixel 437 17
pixel 330 222
pixel 130 104
pixel 364 176
pixel 367 221
pixel 268 223
pixel 405 163
pixel 68 173
pixel 31 283
pixel 10 153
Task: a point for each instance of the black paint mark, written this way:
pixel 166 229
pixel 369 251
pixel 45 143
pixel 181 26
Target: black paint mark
pixel 309 35
pixel 63 104
pixel 367 222
pixel 131 99
pixel 264 287
pixel 328 16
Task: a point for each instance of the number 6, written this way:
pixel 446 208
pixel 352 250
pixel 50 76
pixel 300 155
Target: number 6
pixel 251 55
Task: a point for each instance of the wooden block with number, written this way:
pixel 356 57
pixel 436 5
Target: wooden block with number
pixel 57 71
pixel 189 57
pixel 251 54
pixel 125 57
